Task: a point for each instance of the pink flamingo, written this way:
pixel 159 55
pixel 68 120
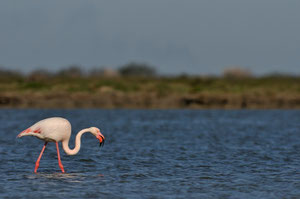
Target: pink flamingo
pixel 57 129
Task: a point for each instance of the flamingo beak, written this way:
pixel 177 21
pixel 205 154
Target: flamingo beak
pixel 101 139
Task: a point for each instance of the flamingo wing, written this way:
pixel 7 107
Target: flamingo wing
pixel 32 132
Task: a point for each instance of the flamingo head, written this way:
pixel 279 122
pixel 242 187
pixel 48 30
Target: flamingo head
pixel 96 132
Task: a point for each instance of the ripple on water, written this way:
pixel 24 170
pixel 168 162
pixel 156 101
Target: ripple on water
pixel 157 154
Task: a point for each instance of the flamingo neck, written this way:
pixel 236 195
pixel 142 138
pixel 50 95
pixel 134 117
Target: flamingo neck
pixel 65 143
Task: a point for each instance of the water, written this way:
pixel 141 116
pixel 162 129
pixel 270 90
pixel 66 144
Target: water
pixel 157 154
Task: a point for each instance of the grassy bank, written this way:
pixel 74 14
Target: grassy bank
pixel 149 92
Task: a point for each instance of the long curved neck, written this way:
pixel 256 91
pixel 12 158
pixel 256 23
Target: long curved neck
pixel 65 143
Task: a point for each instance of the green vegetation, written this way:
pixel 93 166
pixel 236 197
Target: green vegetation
pixel 177 85
pixel 139 90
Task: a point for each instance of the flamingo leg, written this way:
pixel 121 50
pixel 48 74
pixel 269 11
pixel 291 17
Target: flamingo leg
pixel 58 157
pixel 37 163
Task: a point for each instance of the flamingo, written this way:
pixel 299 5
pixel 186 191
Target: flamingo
pixel 58 129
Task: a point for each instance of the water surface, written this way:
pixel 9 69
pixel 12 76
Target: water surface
pixel 157 154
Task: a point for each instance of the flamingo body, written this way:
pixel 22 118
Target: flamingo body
pixel 57 129
pixel 54 129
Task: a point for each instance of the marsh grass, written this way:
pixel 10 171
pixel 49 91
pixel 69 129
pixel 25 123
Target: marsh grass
pixel 157 91
pixel 162 85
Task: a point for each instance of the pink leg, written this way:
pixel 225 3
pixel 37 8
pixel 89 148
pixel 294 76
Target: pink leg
pixel 37 163
pixel 59 161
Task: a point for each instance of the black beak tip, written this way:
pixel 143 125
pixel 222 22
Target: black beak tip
pixel 101 144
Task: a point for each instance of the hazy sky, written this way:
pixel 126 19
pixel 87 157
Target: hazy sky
pixel 191 36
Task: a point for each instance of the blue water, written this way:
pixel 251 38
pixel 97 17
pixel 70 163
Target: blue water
pixel 157 154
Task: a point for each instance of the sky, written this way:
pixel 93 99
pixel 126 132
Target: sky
pixel 175 36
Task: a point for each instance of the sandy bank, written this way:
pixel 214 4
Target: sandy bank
pixel 148 100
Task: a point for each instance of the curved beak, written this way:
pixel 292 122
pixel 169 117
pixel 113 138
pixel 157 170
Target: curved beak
pixel 101 139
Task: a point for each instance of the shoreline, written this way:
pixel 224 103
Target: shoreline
pixel 147 101
pixel 151 93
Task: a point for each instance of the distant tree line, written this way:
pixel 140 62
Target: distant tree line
pixel 76 71
pixel 132 69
